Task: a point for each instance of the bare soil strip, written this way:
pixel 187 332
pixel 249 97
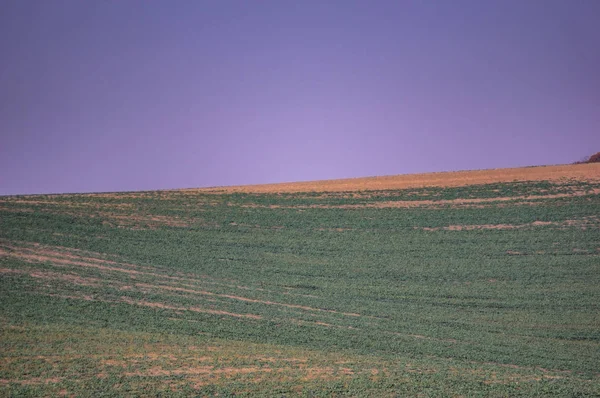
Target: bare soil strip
pixel 133 218
pixel 584 223
pixel 71 278
pixel 45 255
pixel 406 204
pixel 246 299
pixel 151 304
pixel 58 255
pixel 193 309
pixel 562 173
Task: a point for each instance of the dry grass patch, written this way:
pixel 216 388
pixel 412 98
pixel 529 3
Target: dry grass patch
pixel 583 223
pixel 192 309
pixel 563 173
pixel 432 204
pixel 247 299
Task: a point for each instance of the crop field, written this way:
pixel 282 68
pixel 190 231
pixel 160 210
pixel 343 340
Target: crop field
pixel 474 284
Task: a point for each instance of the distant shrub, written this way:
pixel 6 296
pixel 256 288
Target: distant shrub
pixel 594 158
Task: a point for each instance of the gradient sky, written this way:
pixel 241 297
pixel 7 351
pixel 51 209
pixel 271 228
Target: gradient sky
pixel 118 95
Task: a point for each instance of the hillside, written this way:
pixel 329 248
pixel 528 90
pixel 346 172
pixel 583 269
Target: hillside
pixel 585 172
pixel 443 284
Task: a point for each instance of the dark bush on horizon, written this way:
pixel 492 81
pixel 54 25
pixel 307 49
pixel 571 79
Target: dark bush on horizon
pixel 595 158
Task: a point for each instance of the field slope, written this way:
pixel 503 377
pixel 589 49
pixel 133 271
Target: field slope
pixel 448 284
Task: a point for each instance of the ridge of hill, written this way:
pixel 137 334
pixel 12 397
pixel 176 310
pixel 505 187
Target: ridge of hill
pixel 480 283
pixel 588 172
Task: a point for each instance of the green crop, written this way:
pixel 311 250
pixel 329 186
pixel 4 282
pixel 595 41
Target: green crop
pixel 486 290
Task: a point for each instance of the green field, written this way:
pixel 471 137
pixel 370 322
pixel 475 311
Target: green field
pixel 483 290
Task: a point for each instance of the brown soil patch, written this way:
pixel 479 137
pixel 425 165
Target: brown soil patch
pixel 32 381
pixel 114 362
pixel 584 223
pixel 246 299
pixel 273 359
pixel 115 195
pixel 334 229
pixel 408 204
pixel 72 297
pixel 10 270
pixel 68 204
pixel 581 172
pixel 148 220
pixel 422 337
pixel 143 303
pixel 43 254
pixel 193 309
pixel 64 252
pixel 310 323
pixel 199 370
pixel 128 217
pixel 16 209
pixel 60 257
pixel 319 373
pixel 74 279
pixel 50 257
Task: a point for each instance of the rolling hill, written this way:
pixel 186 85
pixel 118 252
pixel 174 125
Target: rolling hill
pixel 443 284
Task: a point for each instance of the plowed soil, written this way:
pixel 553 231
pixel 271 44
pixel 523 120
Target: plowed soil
pixel 582 172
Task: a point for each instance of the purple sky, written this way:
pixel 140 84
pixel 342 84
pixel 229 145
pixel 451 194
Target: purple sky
pixel 135 95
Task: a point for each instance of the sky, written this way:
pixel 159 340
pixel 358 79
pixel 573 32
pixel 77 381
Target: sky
pixel 111 95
